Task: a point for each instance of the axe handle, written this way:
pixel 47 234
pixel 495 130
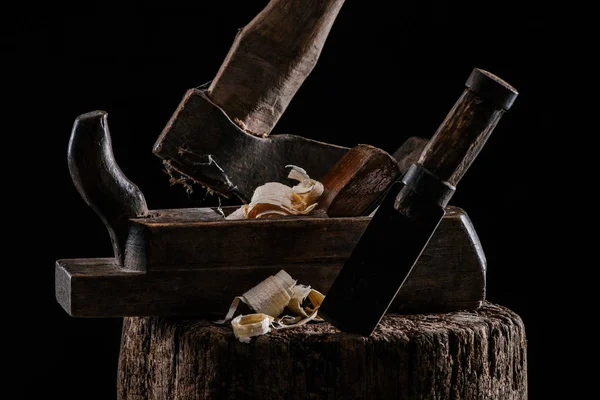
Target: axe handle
pixel 270 59
pixel 467 126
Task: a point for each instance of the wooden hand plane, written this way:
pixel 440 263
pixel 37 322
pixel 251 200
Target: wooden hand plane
pixel 193 262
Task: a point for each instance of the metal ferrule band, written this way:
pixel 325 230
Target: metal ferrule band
pixel 423 182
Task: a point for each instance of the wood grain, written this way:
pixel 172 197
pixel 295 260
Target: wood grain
pixel 200 275
pixel 468 125
pixel 270 59
pixel 353 185
pixel 460 137
pixel 468 355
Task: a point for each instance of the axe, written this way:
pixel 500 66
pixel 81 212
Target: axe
pixel 219 136
pixel 413 208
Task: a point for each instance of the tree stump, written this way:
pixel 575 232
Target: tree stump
pixel 479 354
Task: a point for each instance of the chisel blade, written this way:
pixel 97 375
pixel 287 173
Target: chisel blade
pixel 379 264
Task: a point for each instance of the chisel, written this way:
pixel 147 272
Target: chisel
pixel 413 207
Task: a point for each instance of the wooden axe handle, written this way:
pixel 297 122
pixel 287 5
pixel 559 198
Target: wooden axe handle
pixel 467 126
pixel 269 60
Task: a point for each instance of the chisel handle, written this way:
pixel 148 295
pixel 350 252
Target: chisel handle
pixel 270 59
pixel 467 126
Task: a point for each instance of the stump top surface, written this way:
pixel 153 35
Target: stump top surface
pixel 392 326
pixel 469 355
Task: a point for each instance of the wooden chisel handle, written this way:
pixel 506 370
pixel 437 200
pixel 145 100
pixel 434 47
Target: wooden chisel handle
pixel 467 126
pixel 270 59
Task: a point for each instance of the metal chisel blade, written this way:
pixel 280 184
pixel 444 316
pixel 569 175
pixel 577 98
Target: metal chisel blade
pixel 379 264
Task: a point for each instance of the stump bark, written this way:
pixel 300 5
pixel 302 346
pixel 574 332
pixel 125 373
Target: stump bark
pixel 478 354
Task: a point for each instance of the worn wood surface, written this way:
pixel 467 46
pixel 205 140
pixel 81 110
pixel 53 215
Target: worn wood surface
pixel 171 240
pixel 357 180
pixel 100 181
pixel 201 143
pixel 270 59
pixel 197 268
pixel 410 152
pixel 465 130
pixel 468 355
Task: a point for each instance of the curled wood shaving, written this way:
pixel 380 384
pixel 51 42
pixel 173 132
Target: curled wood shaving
pixel 269 299
pixel 247 326
pixel 274 198
pixel 272 295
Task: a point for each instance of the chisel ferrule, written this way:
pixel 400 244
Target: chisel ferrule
pixel 426 184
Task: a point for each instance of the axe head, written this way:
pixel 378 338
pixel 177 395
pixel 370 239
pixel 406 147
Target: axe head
pixel 202 143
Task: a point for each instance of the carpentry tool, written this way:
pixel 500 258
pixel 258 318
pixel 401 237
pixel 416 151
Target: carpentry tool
pixel 192 261
pixel 218 136
pixel 412 209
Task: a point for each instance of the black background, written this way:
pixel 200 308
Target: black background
pixel 388 71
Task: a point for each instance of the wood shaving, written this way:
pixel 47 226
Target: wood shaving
pixel 275 199
pixel 247 326
pixel 269 299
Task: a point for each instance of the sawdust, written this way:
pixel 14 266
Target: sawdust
pixel 177 178
pixel 244 127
